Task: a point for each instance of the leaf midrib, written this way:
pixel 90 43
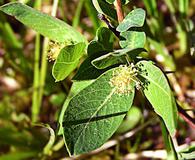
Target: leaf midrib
pixel 151 80
pixel 98 109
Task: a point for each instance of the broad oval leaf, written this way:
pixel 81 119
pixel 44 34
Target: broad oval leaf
pixel 135 18
pixel 94 114
pixel 132 39
pixel 76 87
pixel 159 94
pixel 46 25
pixel 67 60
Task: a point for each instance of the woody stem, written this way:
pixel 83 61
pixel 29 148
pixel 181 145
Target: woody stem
pixel 119 10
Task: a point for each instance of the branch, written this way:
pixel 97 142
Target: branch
pixel 186 117
pixel 103 18
pixel 119 10
pixel 182 113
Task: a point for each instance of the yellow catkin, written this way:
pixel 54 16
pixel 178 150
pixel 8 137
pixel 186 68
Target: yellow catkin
pixel 54 49
pixel 123 78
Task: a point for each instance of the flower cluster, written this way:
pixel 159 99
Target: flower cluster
pixel 54 49
pixel 125 78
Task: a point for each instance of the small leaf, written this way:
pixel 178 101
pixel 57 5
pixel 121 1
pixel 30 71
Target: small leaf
pixel 105 37
pixel 133 117
pixel 135 18
pixel 110 1
pixel 123 1
pixel 46 25
pixel 67 60
pixel 116 57
pixel 94 114
pixel 104 8
pixel 132 39
pixel 107 61
pixel 102 44
pixel 87 71
pixel 158 92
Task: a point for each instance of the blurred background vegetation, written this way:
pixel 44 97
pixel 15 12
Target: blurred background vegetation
pixel 170 43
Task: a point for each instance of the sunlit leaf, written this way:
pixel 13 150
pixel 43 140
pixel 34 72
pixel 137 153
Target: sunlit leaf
pixel 135 18
pixel 46 25
pixel 132 39
pixel 76 87
pixel 104 8
pixel 159 94
pixel 94 114
pixel 67 60
pixel 132 119
pixel 116 57
pixel 102 44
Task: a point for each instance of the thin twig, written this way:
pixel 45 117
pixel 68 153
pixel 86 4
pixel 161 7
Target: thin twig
pixel 110 26
pixel 182 113
pixel 157 154
pixel 186 117
pixel 119 10
pixel 44 57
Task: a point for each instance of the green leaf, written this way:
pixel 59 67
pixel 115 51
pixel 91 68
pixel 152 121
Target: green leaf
pixel 135 18
pixel 159 94
pixel 105 37
pixel 132 39
pixel 116 57
pixel 46 25
pixel 67 60
pixel 110 1
pixel 76 87
pixel 102 44
pixel 94 114
pixel 87 71
pixel 107 61
pixel 123 1
pixel 105 8
pixel 133 117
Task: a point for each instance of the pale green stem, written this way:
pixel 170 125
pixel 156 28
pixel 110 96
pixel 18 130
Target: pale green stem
pixel 77 14
pixel 36 85
pixel 44 60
